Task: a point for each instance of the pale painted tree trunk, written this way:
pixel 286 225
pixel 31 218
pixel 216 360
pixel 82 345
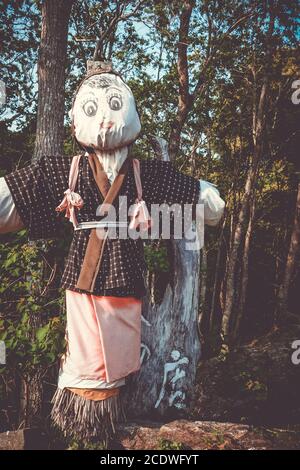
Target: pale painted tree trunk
pixel 170 342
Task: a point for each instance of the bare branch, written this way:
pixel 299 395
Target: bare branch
pixel 187 99
pixel 118 17
pixel 201 81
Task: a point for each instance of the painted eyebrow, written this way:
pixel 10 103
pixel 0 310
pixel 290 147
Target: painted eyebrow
pixel 90 93
pixel 112 86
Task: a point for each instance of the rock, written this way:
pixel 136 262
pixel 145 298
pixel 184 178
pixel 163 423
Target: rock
pixel 175 435
pixel 205 435
pixel 254 384
pixel 139 436
pixel 23 439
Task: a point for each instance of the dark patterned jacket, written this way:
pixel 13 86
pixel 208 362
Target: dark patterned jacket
pixel 38 189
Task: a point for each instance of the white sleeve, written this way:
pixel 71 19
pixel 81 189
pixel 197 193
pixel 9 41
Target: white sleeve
pixel 10 220
pixel 213 203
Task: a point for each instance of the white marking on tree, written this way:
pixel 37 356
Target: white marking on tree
pixel 177 394
pixel 178 374
pixel 145 321
pixel 145 351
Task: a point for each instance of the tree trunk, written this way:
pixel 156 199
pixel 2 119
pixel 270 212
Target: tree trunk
pixel 170 341
pixel 216 281
pixel 283 292
pixel 203 292
pixel 185 101
pixel 242 217
pixel 244 274
pixel 49 141
pixel 51 77
pixel 258 128
pixel 234 257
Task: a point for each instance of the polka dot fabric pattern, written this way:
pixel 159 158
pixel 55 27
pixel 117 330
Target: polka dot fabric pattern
pixel 35 189
pixel 38 189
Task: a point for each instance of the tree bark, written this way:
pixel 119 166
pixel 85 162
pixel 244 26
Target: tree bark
pixel 51 77
pixel 216 280
pixel 282 298
pixel 244 274
pixel 184 99
pixel 203 293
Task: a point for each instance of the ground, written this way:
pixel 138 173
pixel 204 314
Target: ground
pixel 176 435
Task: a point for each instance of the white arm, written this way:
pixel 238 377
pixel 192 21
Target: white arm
pixel 213 203
pixel 10 220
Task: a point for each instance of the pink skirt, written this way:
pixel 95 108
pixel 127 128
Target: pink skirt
pixel 103 337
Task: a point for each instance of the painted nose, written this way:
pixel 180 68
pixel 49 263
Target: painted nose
pixel 106 125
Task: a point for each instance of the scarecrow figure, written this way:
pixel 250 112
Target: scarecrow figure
pixel 103 276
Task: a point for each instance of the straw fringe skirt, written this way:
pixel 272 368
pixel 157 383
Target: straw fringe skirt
pixel 103 347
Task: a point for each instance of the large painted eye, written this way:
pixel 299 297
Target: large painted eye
pixel 115 102
pixel 90 108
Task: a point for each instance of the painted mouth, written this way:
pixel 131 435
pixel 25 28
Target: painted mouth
pixel 106 125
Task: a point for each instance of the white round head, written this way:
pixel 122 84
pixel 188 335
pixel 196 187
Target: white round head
pixel 104 113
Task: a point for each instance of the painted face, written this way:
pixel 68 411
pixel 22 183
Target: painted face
pixel 104 113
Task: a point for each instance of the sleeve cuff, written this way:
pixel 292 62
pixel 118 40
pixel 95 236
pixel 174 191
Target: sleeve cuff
pixel 213 204
pixel 10 220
